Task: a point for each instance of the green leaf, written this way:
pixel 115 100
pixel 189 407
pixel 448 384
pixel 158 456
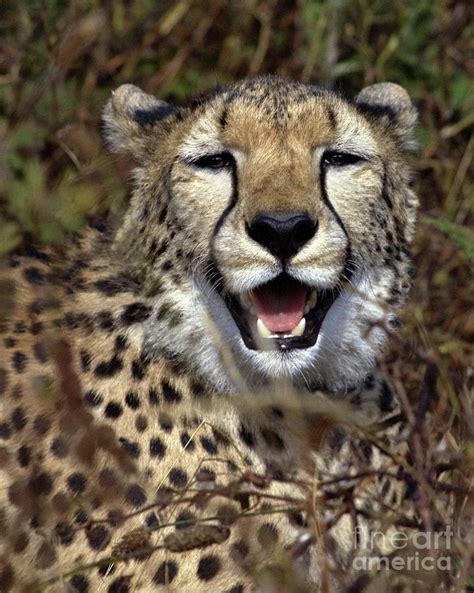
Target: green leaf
pixel 461 236
pixel 10 237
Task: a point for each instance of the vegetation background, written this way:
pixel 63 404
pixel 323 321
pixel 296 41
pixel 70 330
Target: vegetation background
pixel 59 61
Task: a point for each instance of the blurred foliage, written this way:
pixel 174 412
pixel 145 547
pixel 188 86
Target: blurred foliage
pixel 60 60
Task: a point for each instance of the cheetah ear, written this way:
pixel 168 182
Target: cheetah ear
pixel 391 103
pixel 129 118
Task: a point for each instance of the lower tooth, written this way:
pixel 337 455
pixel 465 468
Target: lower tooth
pixel 299 329
pixel 263 330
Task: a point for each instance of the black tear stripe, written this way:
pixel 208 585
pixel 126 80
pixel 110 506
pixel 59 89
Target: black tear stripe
pixel 385 194
pixel 232 202
pixel 348 269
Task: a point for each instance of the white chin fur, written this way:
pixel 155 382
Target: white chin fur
pixel 341 358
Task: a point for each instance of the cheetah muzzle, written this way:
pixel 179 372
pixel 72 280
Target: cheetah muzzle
pixel 281 314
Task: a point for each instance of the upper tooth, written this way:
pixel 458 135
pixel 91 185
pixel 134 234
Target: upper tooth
pixel 263 330
pixel 299 329
pixel 313 299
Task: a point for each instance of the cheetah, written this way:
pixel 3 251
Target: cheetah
pixel 176 387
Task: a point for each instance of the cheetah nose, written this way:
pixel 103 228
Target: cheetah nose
pixel 282 234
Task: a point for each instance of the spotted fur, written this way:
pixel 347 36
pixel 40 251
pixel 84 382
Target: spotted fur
pixel 131 409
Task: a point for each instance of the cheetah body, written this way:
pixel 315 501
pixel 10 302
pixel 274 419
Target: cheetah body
pixel 144 446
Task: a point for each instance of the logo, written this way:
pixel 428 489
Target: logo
pixel 399 551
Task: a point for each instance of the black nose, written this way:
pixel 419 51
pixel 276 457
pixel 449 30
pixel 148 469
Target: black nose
pixel 282 234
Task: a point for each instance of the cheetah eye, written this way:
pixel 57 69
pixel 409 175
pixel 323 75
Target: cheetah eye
pixel 222 160
pixel 332 158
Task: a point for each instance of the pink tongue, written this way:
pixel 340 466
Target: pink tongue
pixel 280 306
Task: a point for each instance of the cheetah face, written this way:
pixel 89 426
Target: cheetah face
pixel 294 209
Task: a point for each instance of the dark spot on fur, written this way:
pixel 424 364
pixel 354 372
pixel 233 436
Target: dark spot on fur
pixel 208 445
pixel 20 543
pixel 267 535
pixel 42 424
pixel 59 448
pixel 185 442
pixel 227 514
pixel 36 328
pixel 105 320
pixel 92 398
pixel 81 517
pixel 5 431
pixel 46 556
pixel 108 478
pixel 108 368
pixel 239 551
pixel 24 456
pixel 40 352
pixel 65 533
pixel 141 423
pixel 135 313
pixel 34 275
pixel 3 380
pixel 151 521
pixel 116 284
pixel 19 327
pixel 153 397
pixel 41 484
pixel 166 573
pixel 184 520
pixel 98 537
pixel 79 583
pixel 113 410
pixel 135 496
pixel 18 419
pixel 170 394
pixel 131 447
pixel 157 447
pixel 247 436
pixel 120 343
pixel 165 422
pixel 138 369
pixel 19 361
pixel 115 518
pixel 76 483
pixel 132 400
pixel 119 585
pixel 178 477
pixel 208 567
pixel 163 214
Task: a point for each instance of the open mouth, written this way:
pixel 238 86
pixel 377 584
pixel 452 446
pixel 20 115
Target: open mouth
pixel 282 314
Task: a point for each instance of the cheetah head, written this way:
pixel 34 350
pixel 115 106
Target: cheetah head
pixel 275 219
